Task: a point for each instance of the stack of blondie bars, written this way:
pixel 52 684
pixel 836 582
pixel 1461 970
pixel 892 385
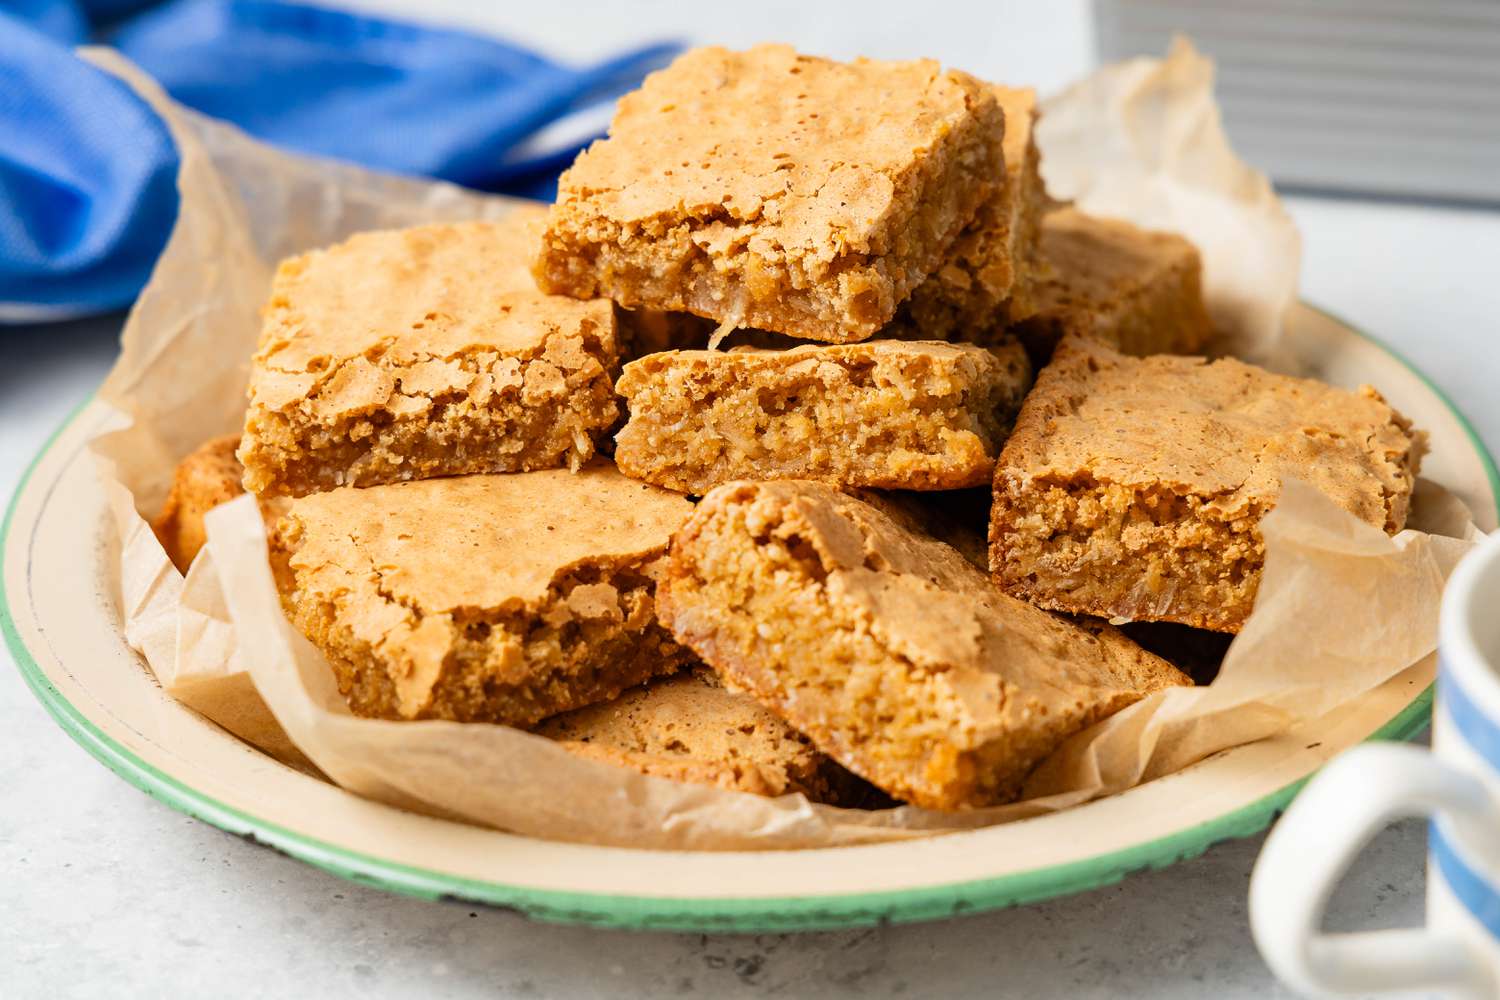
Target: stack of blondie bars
pixel 802 446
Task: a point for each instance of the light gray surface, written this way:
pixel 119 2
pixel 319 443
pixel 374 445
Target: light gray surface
pixel 107 893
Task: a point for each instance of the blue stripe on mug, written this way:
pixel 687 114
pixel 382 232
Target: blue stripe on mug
pixel 1469 887
pixel 1478 730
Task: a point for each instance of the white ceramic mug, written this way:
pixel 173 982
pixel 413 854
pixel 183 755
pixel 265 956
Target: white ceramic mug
pixel 1456 785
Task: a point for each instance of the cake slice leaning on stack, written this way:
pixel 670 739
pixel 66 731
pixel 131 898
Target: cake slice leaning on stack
pixel 895 655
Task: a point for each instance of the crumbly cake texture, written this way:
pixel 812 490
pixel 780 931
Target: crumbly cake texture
pixel 496 598
pixel 1133 487
pixel 893 653
pixel 984 283
pixel 204 479
pixel 921 416
pixel 778 191
pixel 641 331
pixel 689 727
pixel 413 353
pixel 1138 291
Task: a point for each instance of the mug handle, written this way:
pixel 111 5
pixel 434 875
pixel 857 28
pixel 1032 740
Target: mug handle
pixel 1311 848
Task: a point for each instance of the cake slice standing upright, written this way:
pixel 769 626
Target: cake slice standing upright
pixel 985 281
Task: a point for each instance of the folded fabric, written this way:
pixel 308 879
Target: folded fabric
pixel 87 172
pixel 87 182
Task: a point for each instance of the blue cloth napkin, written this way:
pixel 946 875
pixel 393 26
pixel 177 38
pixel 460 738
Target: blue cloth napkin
pixel 87 170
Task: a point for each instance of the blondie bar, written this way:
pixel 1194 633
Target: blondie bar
pixel 888 413
pixel 204 479
pixel 984 283
pixel 894 654
pixel 690 728
pixel 500 598
pixel 423 352
pixel 1133 488
pixel 1138 291
pixel 777 191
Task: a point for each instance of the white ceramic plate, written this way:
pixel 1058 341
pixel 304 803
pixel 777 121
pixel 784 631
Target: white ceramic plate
pixel 61 622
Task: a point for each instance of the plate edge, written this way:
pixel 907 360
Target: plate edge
pixel 667 913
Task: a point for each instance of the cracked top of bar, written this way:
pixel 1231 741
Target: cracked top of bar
pixel 482 542
pixel 689 727
pixel 409 297
pixel 888 649
pixel 411 353
pixel 500 598
pixel 1218 429
pixel 777 190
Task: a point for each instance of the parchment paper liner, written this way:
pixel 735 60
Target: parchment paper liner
pixel 218 637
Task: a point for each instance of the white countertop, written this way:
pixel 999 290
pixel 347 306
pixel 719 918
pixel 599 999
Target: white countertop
pixel 105 892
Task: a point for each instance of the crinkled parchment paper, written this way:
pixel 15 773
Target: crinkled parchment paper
pixel 1141 140
pixel 218 641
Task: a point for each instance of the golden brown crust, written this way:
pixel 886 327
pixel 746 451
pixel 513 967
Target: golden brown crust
pixel 774 190
pixel 691 728
pixel 204 479
pixel 895 655
pixel 1137 291
pixel 482 598
pixel 420 352
pixel 884 413
pixel 1132 488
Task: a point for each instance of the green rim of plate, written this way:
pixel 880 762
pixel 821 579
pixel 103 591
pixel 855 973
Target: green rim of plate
pixel 724 914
